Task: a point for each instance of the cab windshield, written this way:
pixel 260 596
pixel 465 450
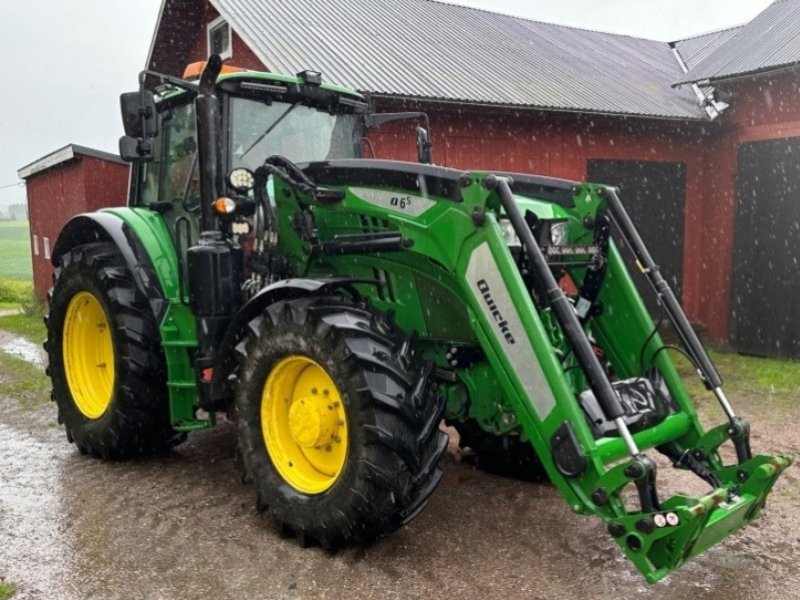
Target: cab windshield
pixel 298 132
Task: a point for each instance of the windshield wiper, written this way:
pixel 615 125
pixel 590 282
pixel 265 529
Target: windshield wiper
pixel 269 129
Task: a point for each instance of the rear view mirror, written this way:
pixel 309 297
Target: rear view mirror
pixel 141 123
pixel 139 114
pixel 424 146
pixel 133 149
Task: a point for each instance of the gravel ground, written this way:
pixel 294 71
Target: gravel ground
pixel 183 526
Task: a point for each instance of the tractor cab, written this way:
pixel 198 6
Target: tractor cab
pixel 260 115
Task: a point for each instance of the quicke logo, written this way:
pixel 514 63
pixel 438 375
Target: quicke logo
pixel 501 322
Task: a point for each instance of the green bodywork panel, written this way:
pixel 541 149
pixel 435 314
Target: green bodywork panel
pixel 177 326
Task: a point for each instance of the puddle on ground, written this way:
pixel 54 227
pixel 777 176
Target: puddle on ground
pixel 34 546
pixel 22 348
pixel 183 526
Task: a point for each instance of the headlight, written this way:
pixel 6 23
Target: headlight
pixel 509 235
pixel 241 179
pixel 558 233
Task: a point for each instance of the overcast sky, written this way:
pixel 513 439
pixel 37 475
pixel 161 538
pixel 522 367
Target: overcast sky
pixel 66 62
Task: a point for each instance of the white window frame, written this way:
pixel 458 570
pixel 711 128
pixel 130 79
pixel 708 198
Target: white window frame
pixel 211 26
pixel 35 245
pixel 46 248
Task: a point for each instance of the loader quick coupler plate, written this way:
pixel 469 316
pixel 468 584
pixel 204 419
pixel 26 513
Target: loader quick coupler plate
pixel 661 540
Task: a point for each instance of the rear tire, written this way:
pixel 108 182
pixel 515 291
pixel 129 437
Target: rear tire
pixel 388 434
pixel 507 455
pixel 106 363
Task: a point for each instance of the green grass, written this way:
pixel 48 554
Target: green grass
pixel 15 292
pixel 15 250
pixel 23 382
pixel 18 378
pixel 760 374
pixel 7 589
pixel 747 376
pixel 30 326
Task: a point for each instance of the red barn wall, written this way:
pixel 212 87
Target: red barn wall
pixel 242 55
pixel 560 145
pixel 61 192
pixel 105 182
pixel 763 108
pixel 54 196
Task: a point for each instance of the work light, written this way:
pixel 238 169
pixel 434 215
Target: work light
pixel 241 179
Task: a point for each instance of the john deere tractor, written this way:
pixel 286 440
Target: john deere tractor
pixel 340 307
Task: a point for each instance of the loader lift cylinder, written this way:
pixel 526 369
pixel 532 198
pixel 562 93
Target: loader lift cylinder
pixel 565 314
pixel 665 294
pixel 739 429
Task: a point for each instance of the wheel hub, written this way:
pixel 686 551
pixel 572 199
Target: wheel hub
pixel 304 424
pixel 313 421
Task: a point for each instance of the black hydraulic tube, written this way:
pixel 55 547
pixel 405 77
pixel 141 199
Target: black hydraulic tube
pixel 366 244
pixel 665 294
pixel 565 313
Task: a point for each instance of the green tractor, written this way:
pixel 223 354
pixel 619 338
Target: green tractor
pixel 338 308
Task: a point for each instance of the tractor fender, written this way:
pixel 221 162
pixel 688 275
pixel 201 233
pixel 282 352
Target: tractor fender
pixel 236 331
pixel 87 228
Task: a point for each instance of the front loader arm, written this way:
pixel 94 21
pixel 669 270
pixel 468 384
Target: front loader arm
pixel 657 536
pixel 570 367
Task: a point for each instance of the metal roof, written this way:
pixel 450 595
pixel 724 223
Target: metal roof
pixel 695 49
pixel 63 155
pixel 770 41
pixel 431 50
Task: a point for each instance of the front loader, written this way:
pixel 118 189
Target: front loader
pixel 338 308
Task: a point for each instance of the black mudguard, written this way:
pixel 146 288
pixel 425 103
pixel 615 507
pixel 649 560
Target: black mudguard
pixel 93 227
pixel 225 368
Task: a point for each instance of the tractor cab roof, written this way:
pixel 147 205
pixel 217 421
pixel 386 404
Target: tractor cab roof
pixel 305 87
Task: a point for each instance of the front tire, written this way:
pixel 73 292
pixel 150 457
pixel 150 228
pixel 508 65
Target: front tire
pixel 106 363
pixel 338 422
pixel 507 455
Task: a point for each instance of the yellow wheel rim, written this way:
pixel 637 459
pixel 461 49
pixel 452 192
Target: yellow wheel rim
pixel 304 424
pixel 88 355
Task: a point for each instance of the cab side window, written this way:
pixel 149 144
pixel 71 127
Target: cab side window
pixel 172 175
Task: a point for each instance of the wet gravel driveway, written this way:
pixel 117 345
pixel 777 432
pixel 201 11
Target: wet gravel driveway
pixel 183 526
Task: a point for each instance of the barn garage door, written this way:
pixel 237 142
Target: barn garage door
pixel 765 278
pixel 654 194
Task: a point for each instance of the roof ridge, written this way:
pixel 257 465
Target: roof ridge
pixel 712 32
pixel 748 42
pixel 529 20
